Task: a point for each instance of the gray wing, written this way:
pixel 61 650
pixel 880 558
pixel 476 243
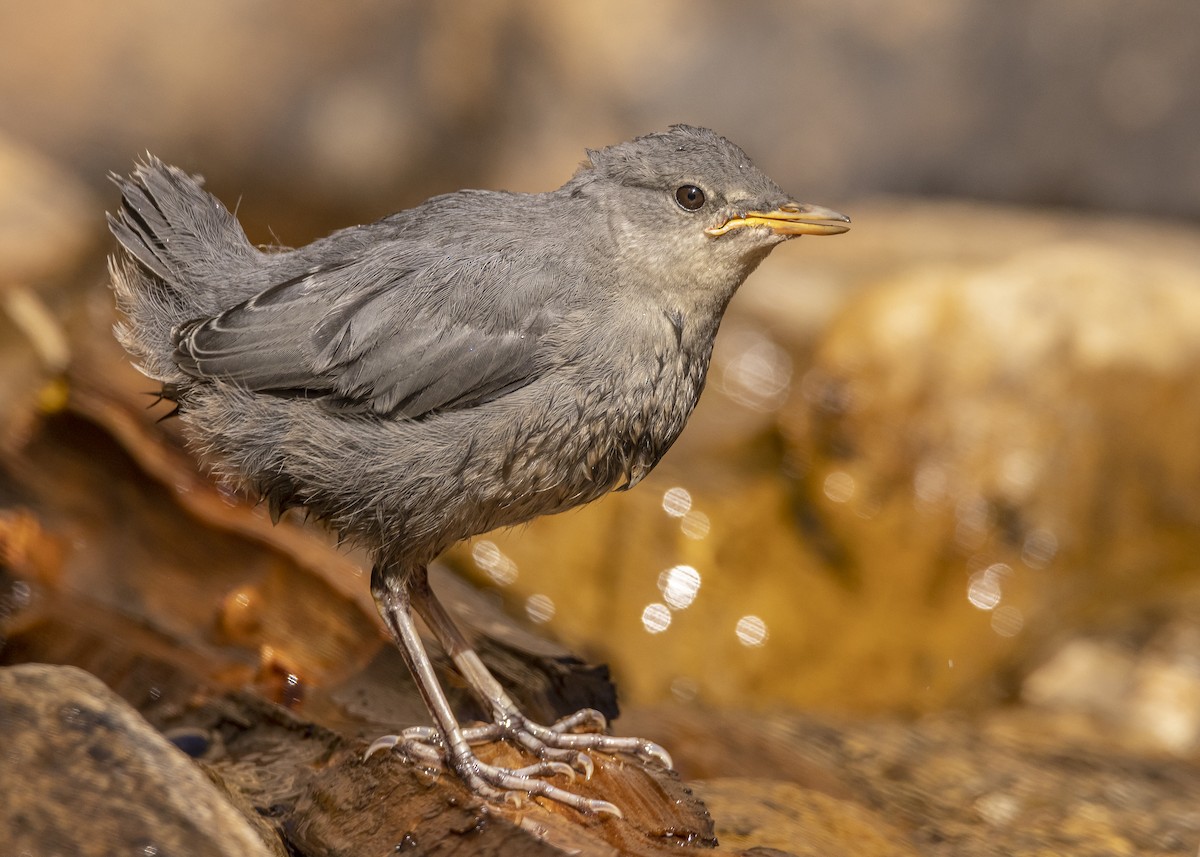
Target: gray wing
pixel 401 344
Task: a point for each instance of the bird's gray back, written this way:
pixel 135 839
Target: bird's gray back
pixel 406 316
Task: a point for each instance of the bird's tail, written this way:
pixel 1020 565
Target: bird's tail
pixel 183 254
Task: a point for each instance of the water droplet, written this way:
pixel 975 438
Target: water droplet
pixel 684 689
pixel 751 631
pixel 695 525
pixel 983 588
pixel 1039 548
pixel 656 618
pixel 839 486
pixel 1007 621
pixel 676 502
pixel 539 608
pixel 494 563
pixel 679 585
pixel 759 375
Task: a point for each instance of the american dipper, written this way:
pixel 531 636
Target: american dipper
pixel 471 363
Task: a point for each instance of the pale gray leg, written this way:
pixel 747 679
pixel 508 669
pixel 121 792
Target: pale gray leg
pixel 557 742
pixel 396 597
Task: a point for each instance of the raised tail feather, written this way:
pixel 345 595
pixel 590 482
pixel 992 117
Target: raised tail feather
pixel 185 257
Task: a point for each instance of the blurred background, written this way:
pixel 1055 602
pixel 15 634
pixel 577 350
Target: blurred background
pixel 948 462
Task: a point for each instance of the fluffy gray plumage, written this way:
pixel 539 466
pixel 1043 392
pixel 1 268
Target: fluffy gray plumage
pixel 474 362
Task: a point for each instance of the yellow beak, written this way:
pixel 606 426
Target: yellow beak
pixel 793 218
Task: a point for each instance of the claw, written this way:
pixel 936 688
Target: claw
pixel 513 799
pixel 655 753
pixel 546 769
pixel 586 719
pixel 485 779
pixel 586 766
pixel 384 742
pixel 401 589
pixel 604 807
pixel 561 750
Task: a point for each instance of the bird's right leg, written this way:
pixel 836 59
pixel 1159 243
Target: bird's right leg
pixel 560 741
pixel 393 596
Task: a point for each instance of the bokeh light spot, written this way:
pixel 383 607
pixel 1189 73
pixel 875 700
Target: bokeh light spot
pixel 679 585
pixel 695 525
pixel 494 563
pixel 759 375
pixel 1039 548
pixel 751 631
pixel 684 689
pixel 656 618
pixel 1007 621
pixel 676 502
pixel 539 608
pixel 983 591
pixel 839 486
pixel 931 484
pixel 983 588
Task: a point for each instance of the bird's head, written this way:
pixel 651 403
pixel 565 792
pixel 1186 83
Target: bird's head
pixel 688 205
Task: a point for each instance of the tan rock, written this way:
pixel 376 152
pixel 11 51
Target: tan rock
pixel 898 495
pixel 764 814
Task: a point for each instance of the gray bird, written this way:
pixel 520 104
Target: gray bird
pixel 471 363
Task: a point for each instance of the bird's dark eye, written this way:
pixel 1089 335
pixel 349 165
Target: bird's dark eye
pixel 690 197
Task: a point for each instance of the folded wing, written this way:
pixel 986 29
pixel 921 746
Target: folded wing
pixel 400 344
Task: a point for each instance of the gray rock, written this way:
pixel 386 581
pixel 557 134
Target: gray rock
pixel 81 773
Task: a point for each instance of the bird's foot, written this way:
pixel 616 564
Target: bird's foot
pixel 559 749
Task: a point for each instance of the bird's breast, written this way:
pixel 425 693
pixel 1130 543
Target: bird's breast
pixel 603 423
pixel 643 408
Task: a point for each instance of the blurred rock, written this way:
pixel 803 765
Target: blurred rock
pixel 82 774
pixel 1020 783
pixel 1071 102
pixel 48 218
pixel 48 221
pixel 1015 441
pixel 1138 684
pixel 806 823
pixel 176 554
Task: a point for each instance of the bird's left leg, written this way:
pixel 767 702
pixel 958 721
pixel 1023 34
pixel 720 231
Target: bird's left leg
pixel 448 741
pixel 559 742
